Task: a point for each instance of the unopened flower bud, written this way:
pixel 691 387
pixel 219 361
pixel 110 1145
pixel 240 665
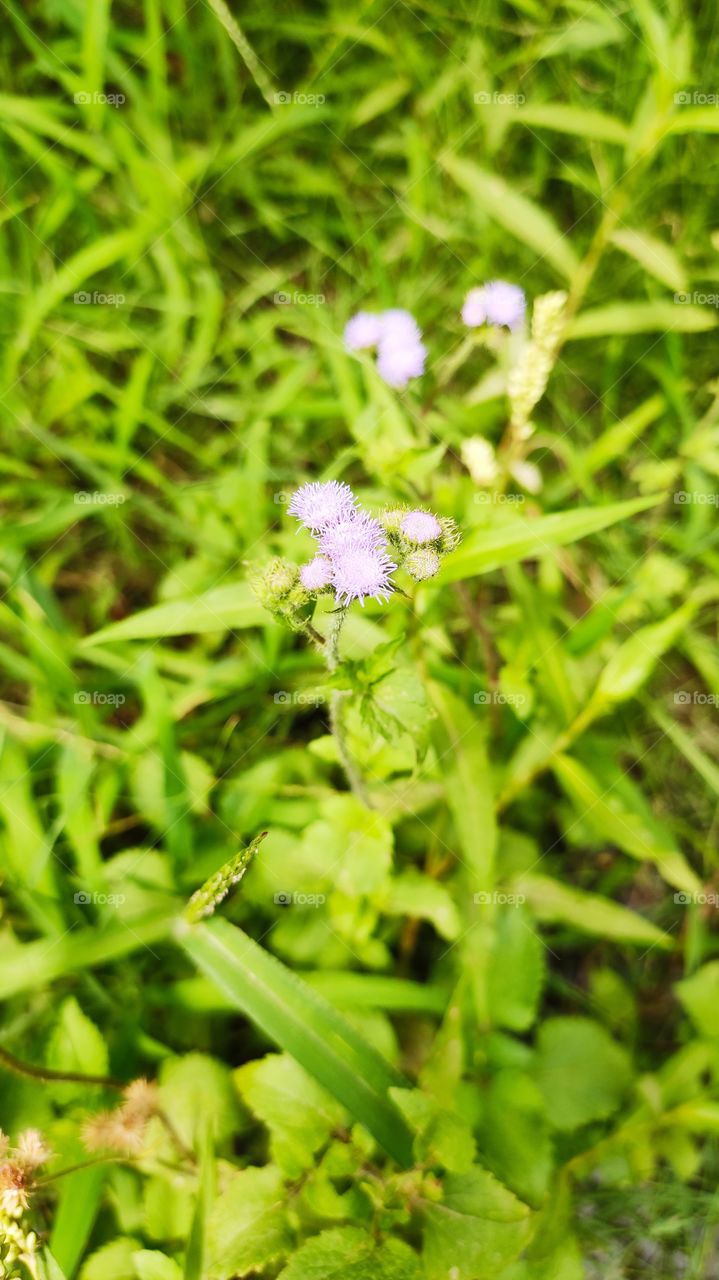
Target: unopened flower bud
pixel 423 563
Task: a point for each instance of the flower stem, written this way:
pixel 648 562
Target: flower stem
pixel 332 658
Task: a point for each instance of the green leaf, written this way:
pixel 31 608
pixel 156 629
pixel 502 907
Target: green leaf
pixel 303 1024
pixel 150 1264
pixel 554 902
pixel 514 1134
pixel 349 1253
pixel 198 1096
pixel 464 767
pixel 657 257
pixel 605 810
pixel 299 1113
pixel 642 317
pixel 112 1262
pixel 230 608
pixel 631 665
pixel 419 896
pixel 442 1137
pixel 582 1073
pixel 582 122
pixel 355 842
pixel 478 1228
pixel 248 1227
pixel 488 549
pixel 516 971
pixel 699 994
pixel 76 1044
pixel 515 212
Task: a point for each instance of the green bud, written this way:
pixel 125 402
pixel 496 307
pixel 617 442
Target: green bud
pixel 274 582
pixel 423 563
pixel 392 517
pixel 450 536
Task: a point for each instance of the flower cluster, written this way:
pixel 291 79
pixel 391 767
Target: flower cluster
pixel 123 1130
pixel 17 1172
pixel 358 553
pixel 497 303
pixel 397 338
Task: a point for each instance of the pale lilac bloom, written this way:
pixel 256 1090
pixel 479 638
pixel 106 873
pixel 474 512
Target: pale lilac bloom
pixel 358 530
pixel 359 572
pixel 363 330
pixel 318 505
pixel 397 362
pixel 399 326
pixel 316 574
pixel 420 526
pixel 497 303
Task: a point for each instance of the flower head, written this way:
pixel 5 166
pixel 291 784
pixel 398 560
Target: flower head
pixel 399 326
pixel 316 574
pixel 496 303
pixel 357 531
pixel 363 330
pixel 420 527
pixel 398 361
pixel 318 505
pixel 361 571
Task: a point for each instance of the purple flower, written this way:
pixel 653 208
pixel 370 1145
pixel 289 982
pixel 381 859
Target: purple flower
pixel 356 531
pixel 316 574
pixel 420 526
pixel 399 361
pixel 318 505
pixel 496 303
pixel 359 572
pixel 399 326
pixel 363 330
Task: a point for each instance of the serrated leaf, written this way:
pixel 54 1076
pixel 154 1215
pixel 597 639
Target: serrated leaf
pixel 583 1074
pixel 299 1113
pixel 150 1264
pixel 248 1227
pixel 442 1137
pixel 198 1096
pixel 419 896
pixel 478 1228
pixel 349 1253
pixel 514 1134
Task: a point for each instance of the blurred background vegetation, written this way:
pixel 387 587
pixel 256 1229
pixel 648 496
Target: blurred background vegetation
pixel 195 200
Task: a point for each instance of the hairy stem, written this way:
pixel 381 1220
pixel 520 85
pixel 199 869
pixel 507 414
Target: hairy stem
pixel 332 658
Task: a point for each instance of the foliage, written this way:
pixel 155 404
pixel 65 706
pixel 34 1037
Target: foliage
pixel 382 944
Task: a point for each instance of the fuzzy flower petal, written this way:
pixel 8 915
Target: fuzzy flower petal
pixel 497 303
pixel 357 532
pixel 420 526
pixel 399 326
pixel 363 330
pixel 318 505
pixel 358 573
pixel 397 363
pixel 316 574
